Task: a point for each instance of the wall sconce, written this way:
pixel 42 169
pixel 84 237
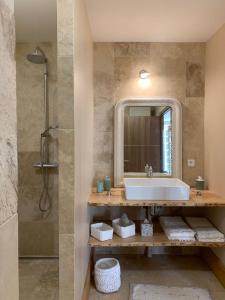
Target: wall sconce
pixel 144 81
pixel 143 74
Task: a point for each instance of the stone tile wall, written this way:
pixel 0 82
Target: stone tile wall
pixel 215 126
pixel 8 156
pixel 65 104
pixel 75 114
pixel 177 71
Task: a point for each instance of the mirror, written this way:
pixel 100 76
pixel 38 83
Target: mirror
pixel 148 139
pixel 147 132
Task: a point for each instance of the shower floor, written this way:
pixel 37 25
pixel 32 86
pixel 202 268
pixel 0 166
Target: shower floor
pixel 39 279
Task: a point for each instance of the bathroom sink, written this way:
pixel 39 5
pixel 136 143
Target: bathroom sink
pixel 156 189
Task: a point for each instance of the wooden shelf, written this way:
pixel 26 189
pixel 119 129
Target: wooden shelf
pixel 117 198
pixel 158 239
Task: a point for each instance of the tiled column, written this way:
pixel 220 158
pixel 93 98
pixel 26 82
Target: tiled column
pixel 66 147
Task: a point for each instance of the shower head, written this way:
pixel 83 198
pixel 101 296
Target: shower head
pixel 37 57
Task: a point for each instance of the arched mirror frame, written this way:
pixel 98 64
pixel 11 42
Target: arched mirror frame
pixel 119 133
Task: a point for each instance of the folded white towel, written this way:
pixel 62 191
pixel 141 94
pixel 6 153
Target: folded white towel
pixel 205 231
pixel 176 229
pixel 205 240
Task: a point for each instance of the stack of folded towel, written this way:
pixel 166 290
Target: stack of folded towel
pixel 176 229
pixel 205 231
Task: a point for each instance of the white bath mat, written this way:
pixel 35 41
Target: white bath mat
pixel 162 292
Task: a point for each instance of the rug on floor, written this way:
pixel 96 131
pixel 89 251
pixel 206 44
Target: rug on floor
pixel 162 292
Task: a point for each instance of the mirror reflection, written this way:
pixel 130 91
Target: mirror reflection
pixel 148 139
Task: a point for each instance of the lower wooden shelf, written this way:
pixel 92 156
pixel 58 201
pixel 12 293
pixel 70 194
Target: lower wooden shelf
pixel 158 239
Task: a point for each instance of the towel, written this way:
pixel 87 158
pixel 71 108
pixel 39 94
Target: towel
pixel 205 231
pixel 176 229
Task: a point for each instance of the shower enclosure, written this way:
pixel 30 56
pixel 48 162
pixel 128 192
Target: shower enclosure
pixel 37 116
pixel 45 201
pixel 38 149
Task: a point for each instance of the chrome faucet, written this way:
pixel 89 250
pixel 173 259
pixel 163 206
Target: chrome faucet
pixel 149 171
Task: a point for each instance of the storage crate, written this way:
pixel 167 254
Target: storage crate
pixel 123 232
pixel 101 231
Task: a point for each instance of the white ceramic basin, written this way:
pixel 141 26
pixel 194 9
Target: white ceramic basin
pixel 156 189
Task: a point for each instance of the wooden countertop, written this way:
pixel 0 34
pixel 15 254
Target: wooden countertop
pixel 117 198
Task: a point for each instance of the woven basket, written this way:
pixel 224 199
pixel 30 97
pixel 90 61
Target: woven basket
pixel 123 232
pixel 107 275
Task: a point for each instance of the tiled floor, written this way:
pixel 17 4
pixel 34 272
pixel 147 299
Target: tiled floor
pixel 39 279
pixel 187 271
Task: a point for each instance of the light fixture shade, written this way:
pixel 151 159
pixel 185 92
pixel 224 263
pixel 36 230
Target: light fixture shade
pixel 143 74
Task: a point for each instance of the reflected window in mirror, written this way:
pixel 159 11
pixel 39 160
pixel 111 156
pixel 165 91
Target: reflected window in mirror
pixel 166 141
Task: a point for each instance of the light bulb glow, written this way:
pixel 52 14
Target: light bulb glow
pixel 144 83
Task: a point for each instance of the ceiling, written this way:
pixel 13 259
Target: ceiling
pixel 127 20
pixel 155 20
pixel 36 20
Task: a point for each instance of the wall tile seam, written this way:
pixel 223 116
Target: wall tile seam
pixel 71 56
pixel 115 44
pixel 114 81
pixel 194 97
pixel 70 231
pixel 102 131
pixel 65 129
pixel 67 234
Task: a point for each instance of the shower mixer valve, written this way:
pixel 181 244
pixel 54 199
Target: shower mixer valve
pixel 46 132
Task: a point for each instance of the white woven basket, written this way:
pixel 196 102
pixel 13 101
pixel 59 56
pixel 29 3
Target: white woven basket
pixel 101 231
pixel 107 275
pixel 123 232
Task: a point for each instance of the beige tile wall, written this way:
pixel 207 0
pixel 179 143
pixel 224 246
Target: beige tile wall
pixel 83 116
pixel 215 126
pixel 177 70
pixel 8 156
pixel 9 283
pixel 38 232
pixel 75 114
pixel 8 153
pixel 65 104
